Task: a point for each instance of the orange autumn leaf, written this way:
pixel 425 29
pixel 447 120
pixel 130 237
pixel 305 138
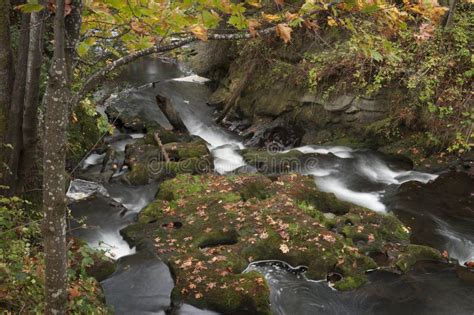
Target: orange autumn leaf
pixel 253 25
pixel 74 292
pixel 284 32
pixel 137 27
pixel 310 25
pixel 199 31
pixel 279 2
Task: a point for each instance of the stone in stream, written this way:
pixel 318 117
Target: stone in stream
pixel 97 220
pixel 208 228
pixel 147 163
pixel 141 284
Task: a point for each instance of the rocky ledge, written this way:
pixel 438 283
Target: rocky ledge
pixel 208 228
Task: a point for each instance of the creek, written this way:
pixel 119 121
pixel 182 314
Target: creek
pixel 437 207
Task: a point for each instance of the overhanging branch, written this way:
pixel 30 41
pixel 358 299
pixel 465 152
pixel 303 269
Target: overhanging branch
pixel 97 77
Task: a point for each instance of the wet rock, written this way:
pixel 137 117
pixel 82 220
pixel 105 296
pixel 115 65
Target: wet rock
pixel 182 151
pixel 269 162
pixel 436 210
pixel 416 253
pixel 277 132
pixel 340 103
pixel 101 269
pixel 246 169
pixel 147 163
pixel 225 222
pixel 142 284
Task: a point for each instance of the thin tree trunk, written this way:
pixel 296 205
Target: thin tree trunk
pixel 452 10
pixel 14 135
pixel 30 112
pixel 54 176
pixel 6 79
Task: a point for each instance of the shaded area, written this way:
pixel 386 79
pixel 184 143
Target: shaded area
pixel 429 288
pixel 440 213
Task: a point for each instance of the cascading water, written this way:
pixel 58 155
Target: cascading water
pixel 142 283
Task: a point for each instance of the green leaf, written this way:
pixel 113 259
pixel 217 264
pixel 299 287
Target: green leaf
pixel 30 7
pixel 370 9
pixel 82 49
pixel 376 55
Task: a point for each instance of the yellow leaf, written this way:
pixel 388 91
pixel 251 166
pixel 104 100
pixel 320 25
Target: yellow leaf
pixel 284 32
pixel 270 17
pixel 254 3
pixel 331 21
pixel 199 31
pixel 284 248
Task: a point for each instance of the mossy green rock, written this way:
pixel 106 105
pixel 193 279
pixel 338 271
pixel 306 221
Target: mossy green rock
pixel 208 228
pixel 146 161
pixel 414 253
pixel 186 150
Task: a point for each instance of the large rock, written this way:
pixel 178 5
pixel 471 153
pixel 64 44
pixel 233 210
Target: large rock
pixel 208 228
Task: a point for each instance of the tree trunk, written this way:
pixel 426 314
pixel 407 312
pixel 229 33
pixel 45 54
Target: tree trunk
pixel 14 135
pixel 30 111
pixel 54 176
pixel 171 114
pixel 6 78
pixel 450 17
pixel 73 31
pixel 232 101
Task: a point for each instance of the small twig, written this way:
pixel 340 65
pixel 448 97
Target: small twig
pixel 156 136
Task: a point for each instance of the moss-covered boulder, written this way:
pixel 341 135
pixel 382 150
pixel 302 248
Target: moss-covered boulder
pixel 185 150
pixel 147 163
pixel 208 228
pixel 166 135
pixel 415 253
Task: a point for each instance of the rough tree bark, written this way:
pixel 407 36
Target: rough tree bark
pixel 30 111
pixel 54 176
pixel 171 114
pixel 14 135
pixel 6 77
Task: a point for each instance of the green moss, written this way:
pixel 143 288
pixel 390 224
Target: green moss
pixel 182 184
pixel 151 211
pixel 178 151
pixel 256 188
pixel 351 282
pixel 414 253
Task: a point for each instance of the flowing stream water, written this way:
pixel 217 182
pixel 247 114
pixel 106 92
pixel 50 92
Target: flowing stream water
pixel 142 283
